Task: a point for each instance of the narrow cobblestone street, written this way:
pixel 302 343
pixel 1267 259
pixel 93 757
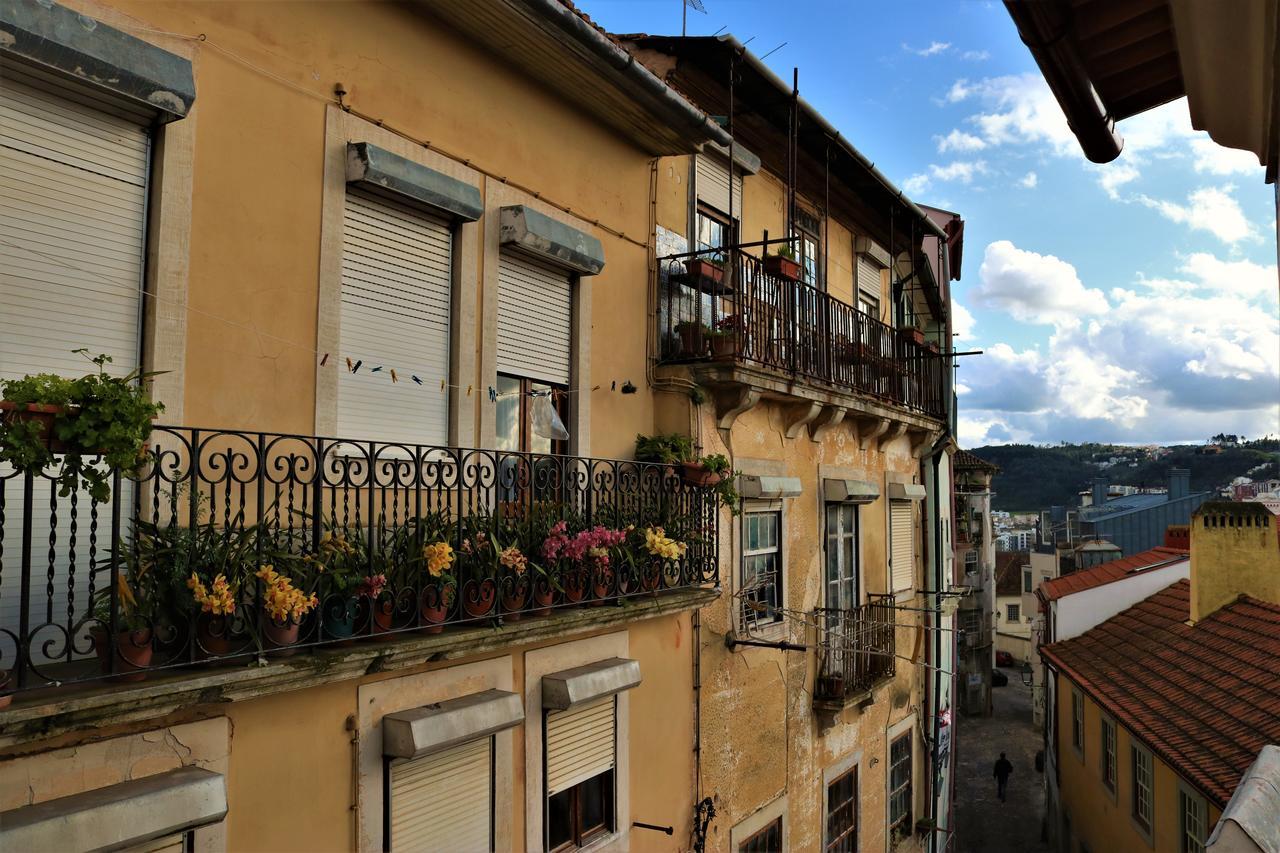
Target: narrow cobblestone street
pixel 983 823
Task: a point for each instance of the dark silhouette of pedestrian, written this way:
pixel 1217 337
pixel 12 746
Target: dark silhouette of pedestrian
pixel 1003 771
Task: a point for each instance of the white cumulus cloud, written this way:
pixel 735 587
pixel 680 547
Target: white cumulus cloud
pixel 1029 181
pixel 1211 209
pixel 958 140
pixel 933 49
pixel 1034 288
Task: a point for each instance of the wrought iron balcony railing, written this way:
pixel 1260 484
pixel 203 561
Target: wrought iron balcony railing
pixel 188 559
pixel 856 649
pixel 728 305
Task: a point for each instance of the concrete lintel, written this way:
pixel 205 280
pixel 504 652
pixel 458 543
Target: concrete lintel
pixel 849 491
pixel 554 241
pixel 572 688
pixel 381 170
pixel 432 728
pixel 800 416
pixel 733 403
pixel 906 492
pixel 125 814
pixel 896 431
pixel 828 419
pixel 870 429
pixel 769 488
pixel 80 48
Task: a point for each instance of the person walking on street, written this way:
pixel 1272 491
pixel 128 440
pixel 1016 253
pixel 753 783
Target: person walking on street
pixel 1003 770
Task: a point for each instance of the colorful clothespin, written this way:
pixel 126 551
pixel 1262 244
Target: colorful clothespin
pixel 325 359
pixel 376 369
pixel 416 380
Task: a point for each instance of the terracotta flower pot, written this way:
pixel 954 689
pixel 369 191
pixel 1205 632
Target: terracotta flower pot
pixel 129 653
pixel 574 582
pixel 724 345
pixel 696 474
pixel 515 594
pixel 698 268
pixel 213 635
pixel 278 637
pixel 37 413
pixel 543 597
pixel 782 267
pixel 693 339
pixel 383 617
pixel 436 600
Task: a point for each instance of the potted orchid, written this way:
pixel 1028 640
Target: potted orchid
pixel 283 607
pixel 664 552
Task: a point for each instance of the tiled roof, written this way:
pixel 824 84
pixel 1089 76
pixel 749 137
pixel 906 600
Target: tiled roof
pixel 1009 571
pixel 965 459
pixel 1105 573
pixel 1205 698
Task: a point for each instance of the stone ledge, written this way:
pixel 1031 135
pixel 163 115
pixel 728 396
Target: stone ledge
pixel 32 718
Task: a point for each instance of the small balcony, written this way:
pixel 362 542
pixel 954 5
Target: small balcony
pixel 224 547
pixel 729 307
pixel 856 651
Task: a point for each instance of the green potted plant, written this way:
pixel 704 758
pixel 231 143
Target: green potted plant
pixel 666 449
pixel 341 569
pixel 97 415
pixel 694 337
pixel 782 263
pixel 709 267
pixel 126 646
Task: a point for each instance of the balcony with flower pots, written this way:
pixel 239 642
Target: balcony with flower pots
pixel 740 322
pixel 316 556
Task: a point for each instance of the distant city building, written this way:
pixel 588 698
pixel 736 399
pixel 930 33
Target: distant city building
pixel 1137 523
pixel 1012 620
pixel 975 552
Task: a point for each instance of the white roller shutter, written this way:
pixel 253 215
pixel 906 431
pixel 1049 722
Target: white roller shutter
pixel 580 744
pixel 444 801
pixel 73 189
pixel 396 273
pixel 902 551
pixel 713 184
pixel 535 319
pixel 869 276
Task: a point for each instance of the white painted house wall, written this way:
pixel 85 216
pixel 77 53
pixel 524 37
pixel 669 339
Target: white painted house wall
pixel 1078 612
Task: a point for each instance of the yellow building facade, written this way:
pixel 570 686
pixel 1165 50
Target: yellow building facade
pixel 355 240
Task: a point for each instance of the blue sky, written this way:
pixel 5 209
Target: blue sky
pixel 1133 302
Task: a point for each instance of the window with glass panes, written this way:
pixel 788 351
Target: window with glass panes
pixel 1143 803
pixel 715 230
pixel 1013 612
pixel 761 566
pixel 1194 822
pixel 970 562
pixel 1026 580
pixel 842 555
pixel 767 840
pixel 842 813
pixel 808 229
pixel 515 415
pixel 971 622
pixel 900 783
pixel 1109 753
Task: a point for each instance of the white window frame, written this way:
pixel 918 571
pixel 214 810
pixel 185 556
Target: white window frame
pixel 1188 796
pixel 776 627
pixel 852 761
pixel 905 727
pixel 1013 613
pixel 1137 751
pixel 853 574
pixel 1109 751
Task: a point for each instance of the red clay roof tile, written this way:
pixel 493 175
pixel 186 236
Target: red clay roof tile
pixel 1205 698
pixel 1109 572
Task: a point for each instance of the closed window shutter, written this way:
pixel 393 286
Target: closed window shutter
pixel 580 744
pixel 444 801
pixel 73 188
pixel 535 319
pixel 168 844
pixel 869 276
pixel 902 554
pixel 713 184
pixel 396 273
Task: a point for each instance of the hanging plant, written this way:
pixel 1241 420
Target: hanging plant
pixel 97 415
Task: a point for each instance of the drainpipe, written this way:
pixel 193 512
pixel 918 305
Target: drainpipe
pixel 935 454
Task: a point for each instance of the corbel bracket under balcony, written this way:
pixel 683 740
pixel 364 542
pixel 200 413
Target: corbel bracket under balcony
pixel 733 401
pixel 921 441
pixel 828 419
pixel 801 416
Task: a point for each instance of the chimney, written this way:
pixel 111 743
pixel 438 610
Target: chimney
pixel 1179 483
pixel 1178 536
pixel 1235 550
pixel 1099 491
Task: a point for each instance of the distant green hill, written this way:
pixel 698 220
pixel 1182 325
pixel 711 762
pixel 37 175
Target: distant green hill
pixel 1035 477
